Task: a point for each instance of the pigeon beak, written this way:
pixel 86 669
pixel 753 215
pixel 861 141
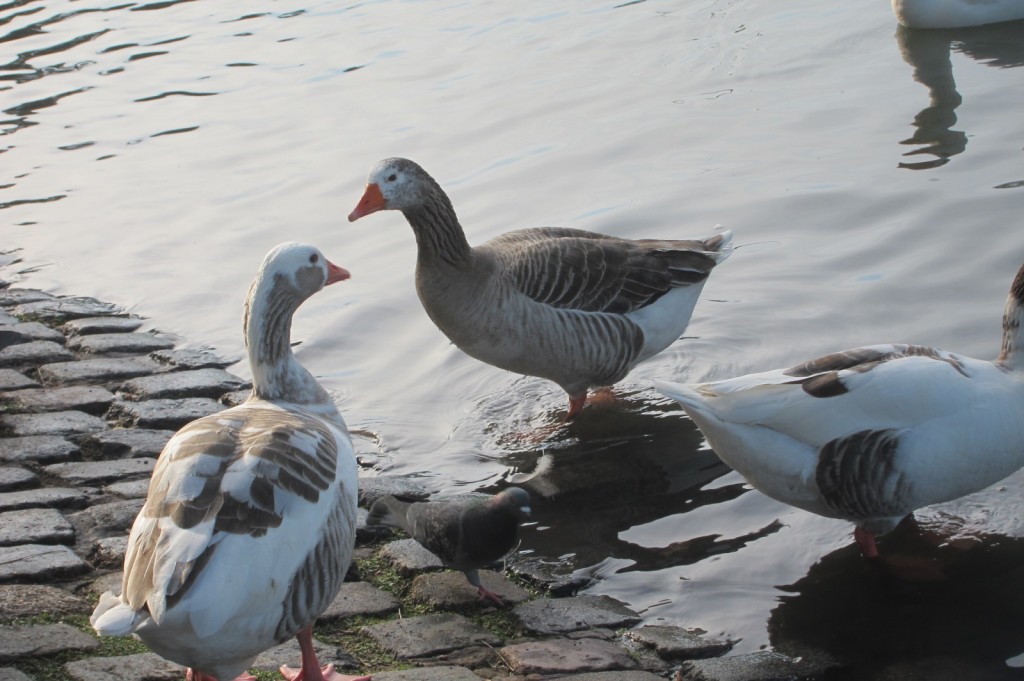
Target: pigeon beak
pixel 525 510
pixel 335 274
pixel 371 202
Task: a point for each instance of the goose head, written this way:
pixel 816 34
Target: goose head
pixel 393 184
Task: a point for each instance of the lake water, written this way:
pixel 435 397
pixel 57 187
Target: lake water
pixel 154 152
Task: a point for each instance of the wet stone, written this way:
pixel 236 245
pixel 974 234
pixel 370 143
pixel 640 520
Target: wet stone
pixel 71 307
pixel 409 558
pixel 443 673
pixel 760 666
pixel 359 598
pixel 35 526
pixel 42 639
pixel 563 656
pixel 6 318
pixel 623 675
pixel 15 478
pixel 45 497
pixel 193 383
pixel 452 591
pixel 428 635
pixel 22 332
pixel 51 423
pixel 404 487
pixel 127 443
pixel 90 399
pixel 123 343
pixel 171 414
pixel 143 666
pixel 33 353
pixel 676 643
pixel 28 600
pixel 90 325
pixel 545 575
pixel 40 449
pixel 100 371
pixel 39 563
pixel 20 296
pixel 561 615
pixel 15 380
pixel 198 358
pixel 98 472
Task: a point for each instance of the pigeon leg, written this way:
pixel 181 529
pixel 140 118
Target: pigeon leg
pixel 490 596
pixel 576 403
pixel 311 670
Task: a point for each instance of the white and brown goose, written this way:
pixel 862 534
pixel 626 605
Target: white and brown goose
pixel 873 433
pixel 575 307
pixel 249 524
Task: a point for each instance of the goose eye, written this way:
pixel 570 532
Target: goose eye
pixel 392 177
pixel 313 258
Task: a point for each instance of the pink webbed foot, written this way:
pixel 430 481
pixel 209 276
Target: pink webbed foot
pixel 311 670
pixel 193 675
pixel 486 595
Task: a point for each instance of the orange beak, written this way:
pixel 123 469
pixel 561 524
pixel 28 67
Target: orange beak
pixel 371 202
pixel 335 274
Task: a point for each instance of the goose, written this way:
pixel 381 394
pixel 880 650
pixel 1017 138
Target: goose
pixel 466 534
pixel 872 433
pixel 955 13
pixel 248 527
pixel 571 306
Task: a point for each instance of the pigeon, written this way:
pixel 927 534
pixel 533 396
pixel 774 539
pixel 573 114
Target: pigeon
pixel 465 534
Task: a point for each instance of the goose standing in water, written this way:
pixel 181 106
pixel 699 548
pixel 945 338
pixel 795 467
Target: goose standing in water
pixel 249 524
pixel 871 434
pixel 575 307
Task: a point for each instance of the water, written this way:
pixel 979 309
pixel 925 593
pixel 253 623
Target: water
pixel 152 153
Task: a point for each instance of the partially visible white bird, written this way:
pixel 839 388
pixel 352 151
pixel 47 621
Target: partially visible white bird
pixel 956 13
pixel 249 524
pixel 575 307
pixel 871 434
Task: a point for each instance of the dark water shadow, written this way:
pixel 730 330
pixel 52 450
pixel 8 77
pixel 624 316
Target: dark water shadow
pixel 930 610
pixel 929 51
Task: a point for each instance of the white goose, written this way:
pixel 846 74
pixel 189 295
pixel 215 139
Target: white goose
pixel 575 307
pixel 871 434
pixel 956 13
pixel 249 524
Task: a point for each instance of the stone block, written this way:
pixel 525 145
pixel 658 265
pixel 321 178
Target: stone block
pixel 51 423
pixel 562 615
pixel 210 383
pixel 404 487
pixel 412 637
pixel 288 653
pixel 762 665
pixel 23 332
pixel 118 343
pixel 98 472
pixel 90 399
pixel 441 673
pixel 452 591
pixel 112 519
pixel 12 297
pixel 34 353
pixel 41 640
pixel 195 358
pixel 140 667
pixel 564 656
pixel 58 310
pixel 108 552
pixel 131 489
pixel 29 600
pixel 39 449
pixel 90 325
pixel 409 557
pixel 44 497
pixel 676 643
pixel 621 675
pixel 39 563
pixel 15 380
pixel 127 443
pixel 103 371
pixel 35 526
pixel 170 414
pixel 359 599
pixel 15 477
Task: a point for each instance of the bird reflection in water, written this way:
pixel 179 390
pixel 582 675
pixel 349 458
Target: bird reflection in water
pixel 928 51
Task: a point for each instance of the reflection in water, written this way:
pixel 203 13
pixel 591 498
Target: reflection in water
pixel 928 52
pixel 914 617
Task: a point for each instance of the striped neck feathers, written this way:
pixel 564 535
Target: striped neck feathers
pixel 1013 316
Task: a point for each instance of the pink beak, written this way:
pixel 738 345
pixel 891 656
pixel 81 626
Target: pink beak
pixel 371 202
pixel 335 274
